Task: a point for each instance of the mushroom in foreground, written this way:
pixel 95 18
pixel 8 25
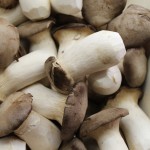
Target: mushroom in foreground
pixel 133 22
pixel 74 144
pixel 131 125
pixel 105 82
pixel 8 3
pixel 105 49
pixel 13 111
pixel 36 11
pixel 30 67
pixel 100 12
pixel 104 128
pixel 9 34
pixel 12 143
pixel 69 110
pixel 135 66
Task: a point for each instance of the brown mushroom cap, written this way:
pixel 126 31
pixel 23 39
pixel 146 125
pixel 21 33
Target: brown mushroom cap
pixel 75 110
pixel 13 111
pixel 8 3
pixel 9 43
pixel 74 144
pixel 101 118
pixel 30 28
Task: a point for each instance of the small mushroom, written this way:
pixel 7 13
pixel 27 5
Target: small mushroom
pixel 8 3
pixel 39 133
pixel 100 12
pixel 13 15
pixel 36 11
pixel 9 34
pixel 135 66
pixel 133 22
pixel 30 67
pixel 13 111
pixel 104 128
pixel 105 82
pixel 74 144
pixel 105 49
pixel 12 143
pixel 136 137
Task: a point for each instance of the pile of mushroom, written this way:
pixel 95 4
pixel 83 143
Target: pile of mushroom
pixel 74 75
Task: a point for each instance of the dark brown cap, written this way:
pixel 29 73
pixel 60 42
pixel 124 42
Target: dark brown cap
pixel 8 3
pixel 101 118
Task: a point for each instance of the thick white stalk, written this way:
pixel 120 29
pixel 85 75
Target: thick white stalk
pixel 68 7
pixel 28 70
pixel 105 82
pixel 36 11
pixel 109 137
pixel 144 3
pixel 136 137
pixel 145 101
pixel 47 102
pixel 94 53
pixel 39 133
pixel 12 143
pixel 14 15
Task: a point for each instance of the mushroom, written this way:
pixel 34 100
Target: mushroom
pixel 135 66
pixel 13 111
pixel 105 49
pixel 105 82
pixel 100 12
pixel 8 3
pixel 71 7
pixel 136 137
pixel 69 110
pixel 9 34
pixel 104 128
pixel 133 22
pixel 39 133
pixel 12 143
pixel 13 15
pixel 74 144
pixel 35 11
pixel 30 67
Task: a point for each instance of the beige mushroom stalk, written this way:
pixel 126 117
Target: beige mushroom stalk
pixel 145 101
pixel 131 125
pixel 59 107
pixel 129 26
pixel 13 15
pixel 105 49
pixel 135 66
pixel 29 69
pixel 9 43
pixel 39 133
pixel 105 82
pixel 36 11
pixel 71 7
pixel 100 12
pixel 12 143
pixel 104 128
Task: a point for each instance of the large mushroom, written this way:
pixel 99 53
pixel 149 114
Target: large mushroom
pixel 104 128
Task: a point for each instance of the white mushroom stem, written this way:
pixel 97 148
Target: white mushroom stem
pixel 39 133
pixel 14 15
pixel 12 143
pixel 105 82
pixel 96 52
pixel 36 11
pixel 109 137
pixel 145 101
pixel 68 7
pixel 135 126
pixel 144 3
pixel 28 70
pixel 47 102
